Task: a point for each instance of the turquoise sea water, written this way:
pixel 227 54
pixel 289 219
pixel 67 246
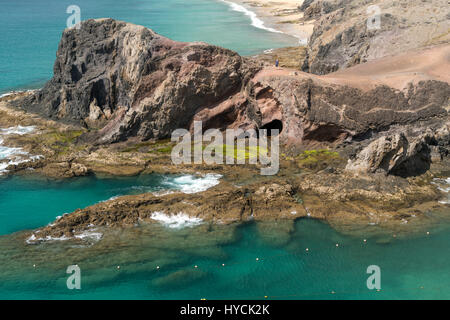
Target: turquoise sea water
pixel 249 261
pixel 260 259
pixel 30 30
pixel 27 203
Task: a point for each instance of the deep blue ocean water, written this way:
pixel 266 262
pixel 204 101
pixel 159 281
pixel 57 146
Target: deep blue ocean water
pixel 30 31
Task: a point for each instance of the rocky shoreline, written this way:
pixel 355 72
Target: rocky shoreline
pixel 310 184
pixel 353 153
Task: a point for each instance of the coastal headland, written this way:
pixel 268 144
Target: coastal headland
pixel 365 136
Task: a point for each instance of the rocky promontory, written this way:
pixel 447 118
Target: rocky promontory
pixel 359 143
pixel 123 81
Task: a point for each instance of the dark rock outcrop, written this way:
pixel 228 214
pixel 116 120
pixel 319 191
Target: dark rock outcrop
pixel 135 81
pixel 402 155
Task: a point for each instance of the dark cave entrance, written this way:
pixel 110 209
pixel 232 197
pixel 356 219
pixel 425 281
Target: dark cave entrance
pixel 272 125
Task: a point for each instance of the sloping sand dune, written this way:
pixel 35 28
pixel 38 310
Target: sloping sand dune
pixel 427 64
pixel 398 71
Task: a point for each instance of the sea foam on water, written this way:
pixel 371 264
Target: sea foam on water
pixel 11 155
pixel 176 221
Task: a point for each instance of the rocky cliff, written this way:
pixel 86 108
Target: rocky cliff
pixel 125 81
pixel 135 81
pixel 349 32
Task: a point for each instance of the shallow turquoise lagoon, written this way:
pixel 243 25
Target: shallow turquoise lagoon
pixel 30 30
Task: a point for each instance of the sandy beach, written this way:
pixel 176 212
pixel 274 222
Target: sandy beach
pixel 276 16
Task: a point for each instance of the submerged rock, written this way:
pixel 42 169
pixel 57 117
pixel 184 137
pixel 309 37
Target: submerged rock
pixel 181 278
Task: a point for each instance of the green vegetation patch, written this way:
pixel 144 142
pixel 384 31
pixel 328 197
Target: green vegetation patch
pixel 59 141
pixel 166 149
pixel 160 146
pixel 318 159
pixel 247 153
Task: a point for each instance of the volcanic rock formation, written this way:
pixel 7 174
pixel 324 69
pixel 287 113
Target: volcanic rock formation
pixel 125 81
pixel 135 81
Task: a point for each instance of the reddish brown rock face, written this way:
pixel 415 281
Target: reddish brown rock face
pixel 130 82
pixel 135 81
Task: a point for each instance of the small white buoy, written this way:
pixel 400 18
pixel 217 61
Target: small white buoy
pixel 157 267
pixel 257 259
pixel 337 244
pixel 34 266
pixel 307 249
pixel 365 240
pixel 118 267
pixel 223 264
pixel 196 267
pixel 428 233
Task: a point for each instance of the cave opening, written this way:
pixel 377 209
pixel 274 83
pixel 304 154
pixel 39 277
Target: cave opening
pixel 272 125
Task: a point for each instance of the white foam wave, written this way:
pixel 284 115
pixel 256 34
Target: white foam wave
pixel 110 199
pixel 33 239
pixel 192 184
pixel 176 221
pixel 256 22
pixel 8 153
pixel 19 130
pixel 14 156
pixel 91 235
pixel 188 184
pixel 15 92
pixel 4 165
pixel 86 235
pixel 6 94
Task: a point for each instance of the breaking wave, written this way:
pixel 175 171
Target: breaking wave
pixel 192 184
pixel 14 156
pixel 176 221
pixel 256 22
